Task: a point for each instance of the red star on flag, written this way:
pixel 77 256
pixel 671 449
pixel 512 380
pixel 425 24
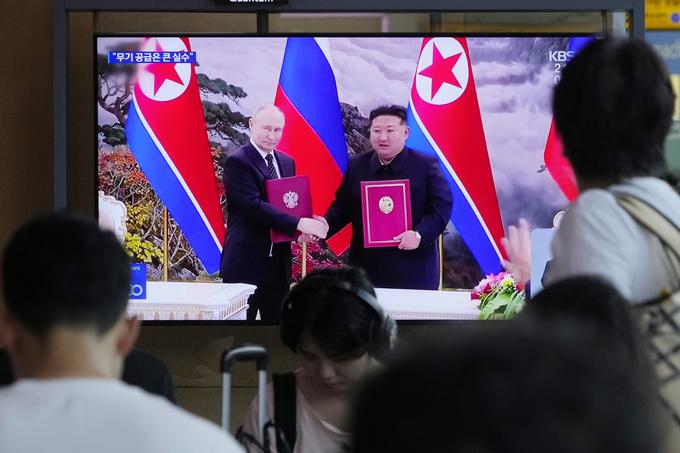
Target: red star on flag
pixel 162 72
pixel 441 70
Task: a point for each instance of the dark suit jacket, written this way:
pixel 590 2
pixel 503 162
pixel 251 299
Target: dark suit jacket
pixel 431 203
pixel 245 257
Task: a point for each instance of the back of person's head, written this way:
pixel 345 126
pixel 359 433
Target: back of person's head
pixel 595 304
pixel 339 310
pixel 613 108
pixel 60 270
pixel 510 387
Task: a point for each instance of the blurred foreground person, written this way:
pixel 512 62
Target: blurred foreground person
pixel 507 388
pixel 613 109
pixel 65 287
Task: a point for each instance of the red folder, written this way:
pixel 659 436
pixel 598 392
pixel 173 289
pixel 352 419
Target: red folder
pixel 291 195
pixel 386 211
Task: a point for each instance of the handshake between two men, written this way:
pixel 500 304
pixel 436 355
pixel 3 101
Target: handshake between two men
pixel 312 229
pixel 316 228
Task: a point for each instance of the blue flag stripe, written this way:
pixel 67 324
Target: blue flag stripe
pixel 463 215
pixel 308 80
pixel 171 191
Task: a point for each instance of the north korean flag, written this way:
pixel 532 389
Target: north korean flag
pixel 445 120
pixel 167 135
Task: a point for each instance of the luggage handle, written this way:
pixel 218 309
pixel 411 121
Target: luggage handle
pixel 244 353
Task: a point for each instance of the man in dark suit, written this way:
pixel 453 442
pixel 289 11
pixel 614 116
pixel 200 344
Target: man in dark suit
pixel 414 263
pixel 249 256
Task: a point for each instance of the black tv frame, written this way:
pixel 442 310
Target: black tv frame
pixel 60 30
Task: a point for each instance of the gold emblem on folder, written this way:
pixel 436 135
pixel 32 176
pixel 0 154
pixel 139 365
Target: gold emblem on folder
pixel 386 205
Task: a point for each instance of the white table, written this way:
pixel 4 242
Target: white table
pixel 192 301
pixel 205 301
pixel 417 304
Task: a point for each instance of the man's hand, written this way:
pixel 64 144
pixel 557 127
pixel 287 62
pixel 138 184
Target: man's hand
pixel 408 240
pixel 322 220
pixel 304 238
pixel 313 227
pixel 518 249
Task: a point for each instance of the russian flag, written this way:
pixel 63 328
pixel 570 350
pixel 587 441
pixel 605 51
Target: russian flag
pixel 314 135
pixel 558 166
pixel 445 120
pixel 166 133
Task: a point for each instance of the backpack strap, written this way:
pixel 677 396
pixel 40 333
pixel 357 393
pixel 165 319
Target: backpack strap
pixel 659 225
pixel 285 407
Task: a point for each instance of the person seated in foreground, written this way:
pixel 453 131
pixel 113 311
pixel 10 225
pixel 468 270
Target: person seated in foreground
pixel 510 387
pixel 139 368
pixel 66 332
pixel 332 321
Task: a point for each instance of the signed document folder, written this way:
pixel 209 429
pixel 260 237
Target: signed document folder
pixel 291 195
pixel 386 211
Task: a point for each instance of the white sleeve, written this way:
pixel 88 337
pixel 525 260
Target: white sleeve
pixel 596 237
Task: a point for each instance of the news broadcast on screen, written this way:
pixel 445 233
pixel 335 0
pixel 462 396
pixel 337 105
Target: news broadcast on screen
pixel 173 110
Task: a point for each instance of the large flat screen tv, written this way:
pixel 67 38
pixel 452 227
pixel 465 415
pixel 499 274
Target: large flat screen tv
pixel 171 109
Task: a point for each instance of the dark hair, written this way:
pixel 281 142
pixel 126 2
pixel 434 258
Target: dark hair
pixel 62 270
pixel 388 110
pixel 613 108
pixel 339 322
pixel 595 304
pixel 508 387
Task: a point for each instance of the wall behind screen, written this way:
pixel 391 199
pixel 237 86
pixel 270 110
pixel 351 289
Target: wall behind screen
pixel 25 112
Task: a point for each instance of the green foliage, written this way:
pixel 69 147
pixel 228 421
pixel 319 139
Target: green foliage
pixel 142 250
pixel 219 86
pixel 113 135
pixel 499 297
pixel 222 121
pixel 503 306
pixel 138 222
pixel 139 216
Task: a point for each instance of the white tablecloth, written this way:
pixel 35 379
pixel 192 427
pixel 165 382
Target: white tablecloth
pixel 192 301
pixel 197 301
pixel 416 304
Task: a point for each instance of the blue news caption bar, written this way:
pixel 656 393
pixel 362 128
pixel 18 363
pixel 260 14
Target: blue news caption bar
pixel 140 57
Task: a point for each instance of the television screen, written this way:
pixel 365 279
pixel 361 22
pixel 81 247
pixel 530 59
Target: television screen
pixel 171 111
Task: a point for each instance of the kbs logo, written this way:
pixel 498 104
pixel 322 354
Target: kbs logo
pixel 561 56
pixel 137 281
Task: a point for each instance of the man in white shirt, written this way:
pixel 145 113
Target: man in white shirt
pixel 63 321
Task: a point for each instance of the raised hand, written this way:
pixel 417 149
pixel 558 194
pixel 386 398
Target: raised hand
pixel 518 249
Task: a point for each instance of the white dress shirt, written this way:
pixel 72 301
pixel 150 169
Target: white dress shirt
pixel 264 157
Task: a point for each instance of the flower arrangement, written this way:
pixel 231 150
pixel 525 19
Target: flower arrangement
pixel 499 295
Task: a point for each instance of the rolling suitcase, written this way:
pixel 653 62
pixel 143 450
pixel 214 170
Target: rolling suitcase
pixel 246 353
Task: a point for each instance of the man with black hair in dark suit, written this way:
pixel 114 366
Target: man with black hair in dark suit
pixel 414 264
pixel 249 256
